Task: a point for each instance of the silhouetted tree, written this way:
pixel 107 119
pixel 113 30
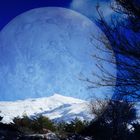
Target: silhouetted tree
pixel 29 125
pixel 42 122
pixel 23 124
pixel 123 34
pixel 115 116
pixel 112 119
pixel 75 128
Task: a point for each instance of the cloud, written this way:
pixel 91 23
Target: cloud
pixel 88 7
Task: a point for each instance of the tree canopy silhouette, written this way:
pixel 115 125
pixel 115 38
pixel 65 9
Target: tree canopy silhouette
pixel 123 33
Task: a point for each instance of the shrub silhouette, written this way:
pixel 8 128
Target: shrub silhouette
pixel 41 123
pixel 113 122
pixel 33 125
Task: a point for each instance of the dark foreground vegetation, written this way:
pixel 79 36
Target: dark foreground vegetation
pixel 116 121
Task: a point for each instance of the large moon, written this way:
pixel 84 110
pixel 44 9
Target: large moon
pixel 45 51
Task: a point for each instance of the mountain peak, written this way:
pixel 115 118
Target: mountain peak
pixel 57 95
pixel 66 99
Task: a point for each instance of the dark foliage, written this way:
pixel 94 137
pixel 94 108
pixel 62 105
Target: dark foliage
pixel 112 122
pixel 136 131
pixel 132 9
pixel 123 34
pixel 74 128
pixel 9 132
pixel 39 124
pixel 116 120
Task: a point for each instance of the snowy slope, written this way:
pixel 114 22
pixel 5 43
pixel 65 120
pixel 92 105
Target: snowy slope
pixel 56 107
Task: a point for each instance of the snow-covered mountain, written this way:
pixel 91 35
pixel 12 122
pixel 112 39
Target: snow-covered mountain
pixel 56 107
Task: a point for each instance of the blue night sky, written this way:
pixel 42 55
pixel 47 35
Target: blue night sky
pixel 26 71
pixel 12 8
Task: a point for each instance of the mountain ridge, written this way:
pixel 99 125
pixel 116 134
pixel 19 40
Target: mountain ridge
pixel 56 107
